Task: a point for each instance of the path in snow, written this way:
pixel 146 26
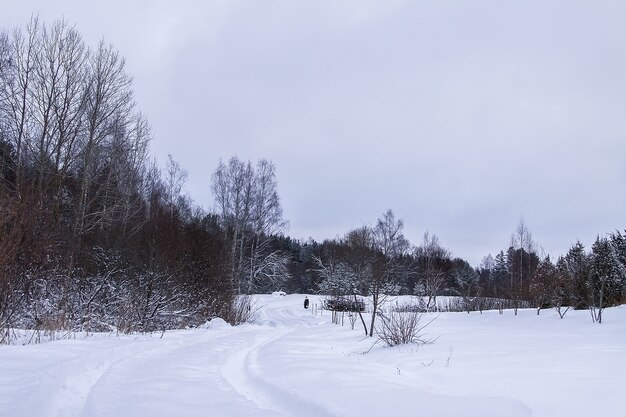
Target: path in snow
pixel 184 379
pixel 242 371
pixel 314 364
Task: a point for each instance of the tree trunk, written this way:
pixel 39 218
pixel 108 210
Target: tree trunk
pixel 601 300
pixel 360 315
pixel 374 311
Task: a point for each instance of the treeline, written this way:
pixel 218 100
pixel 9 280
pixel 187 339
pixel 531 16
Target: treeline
pixel 358 262
pixel 93 235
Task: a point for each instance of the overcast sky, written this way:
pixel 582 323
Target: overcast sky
pixel 461 116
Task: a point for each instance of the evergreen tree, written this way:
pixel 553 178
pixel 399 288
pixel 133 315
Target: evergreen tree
pixel 577 268
pixel 561 288
pixel 606 279
pixel 619 243
pixel 500 274
pixel 467 281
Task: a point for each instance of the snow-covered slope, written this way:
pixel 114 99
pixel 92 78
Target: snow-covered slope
pixel 292 362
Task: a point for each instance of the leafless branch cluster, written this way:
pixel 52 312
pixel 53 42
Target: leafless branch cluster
pixel 398 328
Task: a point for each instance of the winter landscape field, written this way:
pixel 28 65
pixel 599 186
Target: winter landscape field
pixel 177 178
pixel 292 362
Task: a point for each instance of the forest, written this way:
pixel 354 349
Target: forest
pixel 96 236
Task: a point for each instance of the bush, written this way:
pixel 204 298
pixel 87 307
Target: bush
pixel 344 304
pixel 399 328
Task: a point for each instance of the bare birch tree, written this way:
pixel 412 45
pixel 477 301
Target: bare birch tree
pixel 175 178
pixel 266 265
pixel 16 91
pixel 249 208
pixel 232 186
pixel 58 87
pixel 108 110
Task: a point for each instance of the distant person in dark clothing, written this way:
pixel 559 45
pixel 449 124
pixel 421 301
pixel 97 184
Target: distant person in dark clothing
pixel 306 302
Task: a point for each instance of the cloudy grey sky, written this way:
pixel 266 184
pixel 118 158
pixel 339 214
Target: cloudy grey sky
pixel 461 116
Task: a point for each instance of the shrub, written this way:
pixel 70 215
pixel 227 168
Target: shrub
pixel 344 304
pixel 398 328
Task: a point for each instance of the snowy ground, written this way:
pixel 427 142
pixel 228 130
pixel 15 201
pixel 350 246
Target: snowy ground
pixel 294 363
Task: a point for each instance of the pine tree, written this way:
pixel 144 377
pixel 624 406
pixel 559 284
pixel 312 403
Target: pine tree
pixel 606 279
pixel 619 243
pixel 500 273
pixel 577 268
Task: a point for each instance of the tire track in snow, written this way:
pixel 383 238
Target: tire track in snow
pixel 239 372
pixel 182 378
pixel 86 373
pixel 100 396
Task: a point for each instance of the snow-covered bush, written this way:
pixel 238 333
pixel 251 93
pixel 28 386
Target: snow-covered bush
pixel 398 328
pixel 344 304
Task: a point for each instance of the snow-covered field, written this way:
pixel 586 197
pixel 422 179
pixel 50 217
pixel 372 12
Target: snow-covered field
pixel 292 363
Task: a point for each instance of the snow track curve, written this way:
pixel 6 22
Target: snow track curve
pixel 241 370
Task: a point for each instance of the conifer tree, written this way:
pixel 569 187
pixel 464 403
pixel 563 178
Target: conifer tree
pixel 606 279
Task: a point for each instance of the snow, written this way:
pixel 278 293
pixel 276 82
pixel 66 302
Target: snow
pixel 292 362
pixel 217 323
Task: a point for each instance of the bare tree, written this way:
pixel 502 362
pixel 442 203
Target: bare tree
pixel 108 110
pixel 69 103
pixel 267 213
pixel 6 79
pixel 134 175
pixel 175 178
pixel 541 280
pixel 431 256
pixel 523 247
pixel 17 91
pixel 389 246
pixel 232 186
pixel 249 208
pixel 58 86
pixel 267 270
pixel 522 240
pixel 5 55
pixel 266 265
